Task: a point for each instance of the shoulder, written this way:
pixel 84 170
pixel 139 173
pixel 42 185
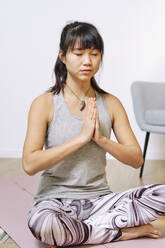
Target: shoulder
pixel 114 105
pixel 110 98
pixel 44 98
pixel 113 101
pixel 44 104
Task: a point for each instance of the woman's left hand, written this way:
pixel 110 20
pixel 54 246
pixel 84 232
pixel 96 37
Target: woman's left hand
pixel 97 136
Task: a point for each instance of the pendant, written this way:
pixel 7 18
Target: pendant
pixel 82 105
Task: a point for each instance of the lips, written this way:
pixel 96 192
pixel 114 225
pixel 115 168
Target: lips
pixel 86 70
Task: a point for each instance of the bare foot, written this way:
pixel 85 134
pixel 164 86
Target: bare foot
pixel 140 231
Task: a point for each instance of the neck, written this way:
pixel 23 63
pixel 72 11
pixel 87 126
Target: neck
pixel 80 87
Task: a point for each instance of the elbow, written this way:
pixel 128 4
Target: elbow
pixel 136 159
pixel 27 167
pixel 139 161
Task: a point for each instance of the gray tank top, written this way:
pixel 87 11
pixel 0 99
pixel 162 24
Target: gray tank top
pixel 82 174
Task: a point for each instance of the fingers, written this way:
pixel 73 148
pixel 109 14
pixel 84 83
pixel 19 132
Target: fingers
pixel 94 109
pixel 91 112
pixel 91 108
pixel 95 112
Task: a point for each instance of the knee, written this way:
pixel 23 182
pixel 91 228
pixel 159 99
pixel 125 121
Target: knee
pixel 55 229
pixel 43 227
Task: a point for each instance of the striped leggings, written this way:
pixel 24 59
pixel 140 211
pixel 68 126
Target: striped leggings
pixel 69 222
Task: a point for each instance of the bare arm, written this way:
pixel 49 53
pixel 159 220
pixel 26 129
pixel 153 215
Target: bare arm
pixel 36 159
pixel 127 149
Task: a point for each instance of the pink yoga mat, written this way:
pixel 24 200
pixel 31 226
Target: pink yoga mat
pixel 16 200
pixel 14 206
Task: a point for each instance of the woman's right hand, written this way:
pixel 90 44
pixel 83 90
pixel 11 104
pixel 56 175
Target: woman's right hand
pixel 88 125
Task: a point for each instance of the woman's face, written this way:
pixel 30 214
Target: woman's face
pixel 82 64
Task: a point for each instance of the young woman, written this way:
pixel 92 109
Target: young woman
pixel 73 119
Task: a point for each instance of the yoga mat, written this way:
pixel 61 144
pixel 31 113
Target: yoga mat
pixel 14 206
pixel 16 200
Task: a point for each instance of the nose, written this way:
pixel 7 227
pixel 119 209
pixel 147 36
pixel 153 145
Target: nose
pixel 87 59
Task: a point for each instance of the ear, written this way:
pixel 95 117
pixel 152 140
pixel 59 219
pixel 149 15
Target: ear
pixel 61 56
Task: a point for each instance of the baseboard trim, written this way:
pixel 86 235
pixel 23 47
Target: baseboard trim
pixel 10 154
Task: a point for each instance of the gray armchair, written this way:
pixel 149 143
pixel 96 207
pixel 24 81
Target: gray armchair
pixel 149 109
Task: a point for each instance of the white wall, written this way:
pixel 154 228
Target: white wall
pixel 134 36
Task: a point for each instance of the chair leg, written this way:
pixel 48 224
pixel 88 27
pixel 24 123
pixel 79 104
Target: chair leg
pixel 144 151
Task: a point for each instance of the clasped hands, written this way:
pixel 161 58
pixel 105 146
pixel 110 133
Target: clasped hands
pixel 91 125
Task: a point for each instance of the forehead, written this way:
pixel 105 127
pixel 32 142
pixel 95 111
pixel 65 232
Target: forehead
pixel 79 45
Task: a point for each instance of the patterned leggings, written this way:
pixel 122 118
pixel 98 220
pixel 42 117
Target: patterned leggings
pixel 66 222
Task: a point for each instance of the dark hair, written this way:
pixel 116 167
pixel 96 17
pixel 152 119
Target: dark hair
pixel 89 37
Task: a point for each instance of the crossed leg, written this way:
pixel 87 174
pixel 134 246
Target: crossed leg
pixel 131 211
pixel 118 216
pixel 135 232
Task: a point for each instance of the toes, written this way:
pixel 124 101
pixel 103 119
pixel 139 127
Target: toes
pixel 155 236
pixel 156 232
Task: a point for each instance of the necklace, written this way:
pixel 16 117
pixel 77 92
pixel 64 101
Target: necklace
pixel 82 102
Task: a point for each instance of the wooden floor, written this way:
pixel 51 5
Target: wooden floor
pixel 120 177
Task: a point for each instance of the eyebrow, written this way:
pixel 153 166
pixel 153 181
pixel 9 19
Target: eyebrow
pixel 79 48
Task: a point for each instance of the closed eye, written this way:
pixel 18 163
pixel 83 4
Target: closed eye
pixel 78 54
